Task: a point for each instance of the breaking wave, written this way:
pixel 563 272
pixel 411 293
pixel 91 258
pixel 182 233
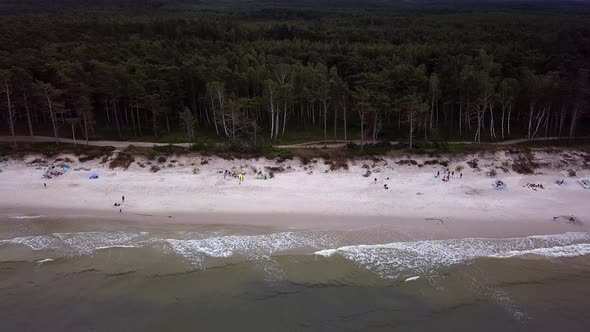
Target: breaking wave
pixel 392 260
pixel 406 259
pixel 77 243
pixel 251 246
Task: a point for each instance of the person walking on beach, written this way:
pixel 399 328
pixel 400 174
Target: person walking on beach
pixel 122 198
pixel 44 185
pixel 453 173
pixel 460 175
pixel 437 174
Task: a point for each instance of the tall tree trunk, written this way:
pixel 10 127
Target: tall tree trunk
pixel 508 121
pixel 73 133
pixel 460 118
pixel 530 126
pixel 425 126
pixel 344 115
pixel 167 124
pixel 52 116
pixel 362 118
pixel 502 120
pixel 325 124
pixel 492 129
pixel 133 119
pixel 138 120
pixel 30 123
pixel 85 118
pixel 411 129
pixel 374 133
pixel 106 106
pixel 126 112
pixel 284 119
pixel 573 124
pixel 116 114
pixel 10 113
pixel 561 120
pixel 233 124
pixel 154 122
pixel 335 122
pixel 277 123
pixel 431 114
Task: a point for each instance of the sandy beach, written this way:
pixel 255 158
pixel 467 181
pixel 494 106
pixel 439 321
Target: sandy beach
pixel 193 189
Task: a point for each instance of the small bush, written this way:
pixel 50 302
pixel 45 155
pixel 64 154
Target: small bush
pixel 459 168
pixel 271 175
pixel 154 169
pixel 104 160
pixel 367 174
pixel 161 159
pixel 571 172
pixel 337 164
pixel 274 169
pixel 68 160
pixel 38 162
pixel 473 163
pixel 123 160
pixel 85 158
pixel 140 164
pixel 492 173
pixel 195 171
pixel 524 164
pixel 204 162
pixel 407 162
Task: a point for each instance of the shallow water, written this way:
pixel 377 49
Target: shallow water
pixel 68 275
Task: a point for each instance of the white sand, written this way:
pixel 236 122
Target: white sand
pixel 330 199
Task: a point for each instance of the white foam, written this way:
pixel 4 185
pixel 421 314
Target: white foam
pixel 404 259
pixel 76 243
pixel 251 246
pixel 326 252
pixel 26 217
pixel 115 246
pixel 46 260
pixel 573 250
pixel 412 278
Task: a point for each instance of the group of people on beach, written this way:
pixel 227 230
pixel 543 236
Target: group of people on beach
pixel 117 204
pixel 448 175
pixel 535 186
pixel 385 185
pixel 239 176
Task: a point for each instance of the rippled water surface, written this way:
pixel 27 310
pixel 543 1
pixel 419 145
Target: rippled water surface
pixel 58 275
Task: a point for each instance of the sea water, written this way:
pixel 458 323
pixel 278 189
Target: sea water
pixel 76 275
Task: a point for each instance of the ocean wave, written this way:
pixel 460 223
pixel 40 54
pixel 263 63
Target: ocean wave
pixel 405 259
pixel 76 243
pixel 46 260
pixel 26 217
pixel 573 250
pixel 251 246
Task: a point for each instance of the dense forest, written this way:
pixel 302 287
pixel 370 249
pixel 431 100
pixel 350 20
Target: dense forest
pixel 259 75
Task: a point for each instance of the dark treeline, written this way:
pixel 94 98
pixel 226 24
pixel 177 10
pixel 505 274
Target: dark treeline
pixel 264 73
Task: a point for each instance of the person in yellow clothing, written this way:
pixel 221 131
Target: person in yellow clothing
pixel 240 177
